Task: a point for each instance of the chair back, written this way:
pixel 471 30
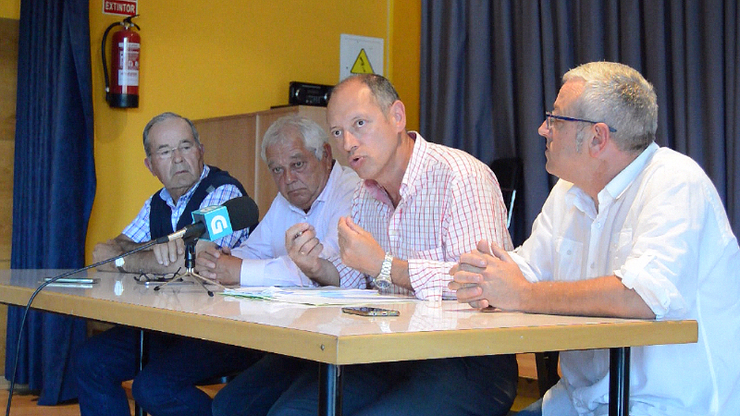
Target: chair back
pixel 509 173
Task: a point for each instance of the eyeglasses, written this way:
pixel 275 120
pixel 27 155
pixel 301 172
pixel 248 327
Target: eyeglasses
pixel 549 115
pixel 156 277
pixel 166 153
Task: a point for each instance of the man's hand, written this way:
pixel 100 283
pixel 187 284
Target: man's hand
pixel 105 251
pixel 358 248
pixel 483 280
pixel 303 248
pixel 219 265
pixel 170 252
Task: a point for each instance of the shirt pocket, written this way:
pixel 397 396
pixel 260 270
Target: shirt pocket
pixel 568 259
pixel 621 248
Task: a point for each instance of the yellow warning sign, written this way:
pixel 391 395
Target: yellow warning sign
pixel 362 64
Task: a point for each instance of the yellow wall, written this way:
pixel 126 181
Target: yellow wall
pixel 205 59
pixel 10 9
pixel 405 52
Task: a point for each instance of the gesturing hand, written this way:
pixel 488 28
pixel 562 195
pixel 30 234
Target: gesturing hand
pixel 304 247
pixel 358 248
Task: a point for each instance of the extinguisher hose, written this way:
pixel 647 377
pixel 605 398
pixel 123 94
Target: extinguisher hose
pixel 102 54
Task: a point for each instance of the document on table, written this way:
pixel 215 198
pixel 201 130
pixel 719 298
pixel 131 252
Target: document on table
pixel 323 296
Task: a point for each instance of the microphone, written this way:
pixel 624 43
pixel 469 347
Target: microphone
pixel 218 221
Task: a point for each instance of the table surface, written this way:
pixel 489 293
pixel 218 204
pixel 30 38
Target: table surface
pixel 327 335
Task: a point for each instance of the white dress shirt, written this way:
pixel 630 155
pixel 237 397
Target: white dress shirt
pixel 660 227
pixel 265 260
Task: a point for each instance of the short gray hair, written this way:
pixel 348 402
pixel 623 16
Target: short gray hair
pixel 381 89
pixel 163 117
pixel 621 97
pixel 314 137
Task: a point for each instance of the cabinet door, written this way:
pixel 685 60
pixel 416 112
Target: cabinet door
pixel 229 143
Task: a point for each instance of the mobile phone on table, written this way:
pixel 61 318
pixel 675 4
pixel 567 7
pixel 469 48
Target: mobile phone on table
pixel 368 311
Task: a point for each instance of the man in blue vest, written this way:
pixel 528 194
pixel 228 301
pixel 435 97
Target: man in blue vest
pixel 167 384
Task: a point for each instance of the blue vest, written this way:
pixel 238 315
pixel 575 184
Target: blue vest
pixel 160 216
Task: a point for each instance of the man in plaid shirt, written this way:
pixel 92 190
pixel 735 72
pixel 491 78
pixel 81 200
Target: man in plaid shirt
pixel 419 207
pixel 174 155
pixel 167 384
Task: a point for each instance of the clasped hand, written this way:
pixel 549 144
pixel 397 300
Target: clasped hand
pixel 488 276
pixel 219 265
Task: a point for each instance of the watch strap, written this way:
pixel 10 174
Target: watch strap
pixel 383 281
pixel 119 265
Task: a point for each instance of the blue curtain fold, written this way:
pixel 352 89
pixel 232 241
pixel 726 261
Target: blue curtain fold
pixel 54 182
pixel 490 69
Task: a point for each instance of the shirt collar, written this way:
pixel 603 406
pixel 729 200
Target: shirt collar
pixel 413 170
pixel 615 188
pixel 335 172
pixel 415 167
pixel 165 194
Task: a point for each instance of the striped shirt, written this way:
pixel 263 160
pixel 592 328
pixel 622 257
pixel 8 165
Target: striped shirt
pixel 449 201
pixel 139 230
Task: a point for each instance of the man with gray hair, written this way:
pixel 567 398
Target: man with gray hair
pixel 630 230
pixel 295 244
pixel 174 155
pixel 296 241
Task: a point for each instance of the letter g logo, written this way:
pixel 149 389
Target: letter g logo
pixel 218 223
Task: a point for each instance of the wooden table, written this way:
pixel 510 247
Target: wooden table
pixel 332 338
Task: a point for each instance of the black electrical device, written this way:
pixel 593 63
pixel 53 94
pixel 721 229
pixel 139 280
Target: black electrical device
pixel 303 93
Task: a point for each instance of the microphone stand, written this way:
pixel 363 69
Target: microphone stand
pixel 190 269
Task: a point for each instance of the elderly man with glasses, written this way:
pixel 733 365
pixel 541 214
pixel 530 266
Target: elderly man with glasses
pixel 167 384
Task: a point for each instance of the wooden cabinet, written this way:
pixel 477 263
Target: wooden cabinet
pixel 233 143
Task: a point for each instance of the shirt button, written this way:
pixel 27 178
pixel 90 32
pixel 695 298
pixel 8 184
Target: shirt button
pixel 593 265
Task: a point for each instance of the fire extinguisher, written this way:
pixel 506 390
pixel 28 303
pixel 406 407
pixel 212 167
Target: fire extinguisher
pixel 124 91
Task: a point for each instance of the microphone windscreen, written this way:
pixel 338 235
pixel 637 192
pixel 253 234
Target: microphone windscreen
pixel 243 212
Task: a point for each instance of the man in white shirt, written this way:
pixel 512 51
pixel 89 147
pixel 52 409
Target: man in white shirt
pixel 295 244
pixel 297 238
pixel 630 230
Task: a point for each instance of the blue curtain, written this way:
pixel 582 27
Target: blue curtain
pixel 54 183
pixel 490 69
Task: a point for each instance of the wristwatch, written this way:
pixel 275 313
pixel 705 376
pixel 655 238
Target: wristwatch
pixel 119 264
pixel 383 281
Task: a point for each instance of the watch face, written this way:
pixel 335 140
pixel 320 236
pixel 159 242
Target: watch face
pixel 382 284
pixel 119 262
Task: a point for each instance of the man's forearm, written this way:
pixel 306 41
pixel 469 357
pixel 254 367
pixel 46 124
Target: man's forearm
pixel 327 275
pixel 143 261
pixel 602 296
pixel 400 274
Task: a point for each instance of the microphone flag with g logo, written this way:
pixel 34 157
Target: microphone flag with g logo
pixel 217 222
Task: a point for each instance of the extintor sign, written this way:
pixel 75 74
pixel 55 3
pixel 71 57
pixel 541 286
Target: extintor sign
pixel 121 7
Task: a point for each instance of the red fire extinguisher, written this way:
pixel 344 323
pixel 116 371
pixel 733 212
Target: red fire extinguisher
pixel 123 91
